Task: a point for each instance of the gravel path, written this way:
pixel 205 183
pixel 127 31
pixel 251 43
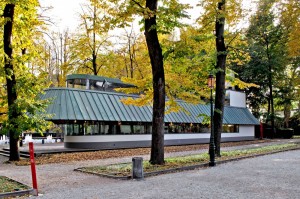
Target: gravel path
pixel 271 176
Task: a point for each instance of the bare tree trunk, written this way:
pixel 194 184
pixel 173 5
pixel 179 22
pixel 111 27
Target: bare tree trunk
pixel 155 53
pixel 270 79
pixel 11 82
pixel 130 57
pixel 94 63
pixel 220 77
pixel 94 60
pixel 287 115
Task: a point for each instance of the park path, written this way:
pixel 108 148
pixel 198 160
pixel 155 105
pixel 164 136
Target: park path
pixel 277 175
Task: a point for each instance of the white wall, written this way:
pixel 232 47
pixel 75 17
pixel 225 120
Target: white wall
pixel 236 98
pixel 244 131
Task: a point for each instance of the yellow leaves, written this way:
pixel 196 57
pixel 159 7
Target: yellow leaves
pixel 147 13
pixel 234 81
pixel 232 13
pixel 243 85
pixel 3 113
pixel 290 18
pixel 294 42
pixel 172 106
pixel 144 99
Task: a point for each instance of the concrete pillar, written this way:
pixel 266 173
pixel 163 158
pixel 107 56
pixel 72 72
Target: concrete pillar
pixel 137 168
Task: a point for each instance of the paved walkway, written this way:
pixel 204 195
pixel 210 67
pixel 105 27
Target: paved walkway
pixel 271 176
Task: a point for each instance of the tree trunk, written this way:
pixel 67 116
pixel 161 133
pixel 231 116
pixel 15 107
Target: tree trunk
pixel 270 81
pixel 220 77
pixel 94 62
pixel 287 114
pixel 10 82
pixel 155 53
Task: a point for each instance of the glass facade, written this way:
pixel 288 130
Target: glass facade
pixel 126 128
pixel 230 128
pixel 90 84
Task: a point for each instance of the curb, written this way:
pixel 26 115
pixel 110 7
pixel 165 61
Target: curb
pixel 16 193
pixel 185 168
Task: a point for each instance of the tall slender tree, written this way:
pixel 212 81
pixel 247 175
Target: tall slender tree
pixel 157 19
pixel 155 53
pixel 24 110
pixel 95 22
pixel 13 112
pixel 268 54
pixel 220 75
pixel 213 20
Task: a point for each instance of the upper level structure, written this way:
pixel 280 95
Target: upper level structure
pixel 93 82
pixel 235 98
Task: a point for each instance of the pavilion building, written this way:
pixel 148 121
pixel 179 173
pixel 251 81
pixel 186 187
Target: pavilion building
pixel 91 115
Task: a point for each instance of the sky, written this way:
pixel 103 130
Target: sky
pixel 65 12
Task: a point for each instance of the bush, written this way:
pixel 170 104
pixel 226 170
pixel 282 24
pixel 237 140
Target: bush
pixel 294 123
pixel 284 133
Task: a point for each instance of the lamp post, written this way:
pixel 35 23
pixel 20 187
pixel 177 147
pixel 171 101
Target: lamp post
pixel 212 147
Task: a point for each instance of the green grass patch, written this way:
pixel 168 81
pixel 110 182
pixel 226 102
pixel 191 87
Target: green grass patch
pixel 9 185
pixel 124 169
pixel 296 136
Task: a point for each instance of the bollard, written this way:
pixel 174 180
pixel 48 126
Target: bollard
pixel 137 168
pixel 43 141
pixel 33 170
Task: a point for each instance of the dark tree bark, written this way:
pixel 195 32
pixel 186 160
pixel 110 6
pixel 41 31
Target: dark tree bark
pixel 220 76
pixel 94 54
pixel 94 62
pixel 10 82
pixel 270 80
pixel 270 116
pixel 271 102
pixel 155 53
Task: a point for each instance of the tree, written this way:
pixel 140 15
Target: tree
pixel 215 13
pixel 157 19
pixel 58 60
pixel 130 53
pixel 268 55
pixel 129 60
pixel 289 87
pixel 10 80
pixel 24 110
pixel 155 53
pixel 274 59
pixel 220 75
pixel 95 21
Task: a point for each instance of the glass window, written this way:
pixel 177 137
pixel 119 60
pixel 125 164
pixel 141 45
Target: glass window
pixel 230 128
pixel 69 129
pixel 91 129
pixel 138 129
pixel 125 129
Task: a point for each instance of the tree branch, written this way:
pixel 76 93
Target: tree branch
pixel 137 3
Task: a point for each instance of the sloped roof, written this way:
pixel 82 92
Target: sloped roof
pixel 89 105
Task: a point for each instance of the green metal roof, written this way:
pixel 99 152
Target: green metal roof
pixel 88 105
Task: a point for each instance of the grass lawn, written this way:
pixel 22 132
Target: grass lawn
pixel 8 185
pixel 124 169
